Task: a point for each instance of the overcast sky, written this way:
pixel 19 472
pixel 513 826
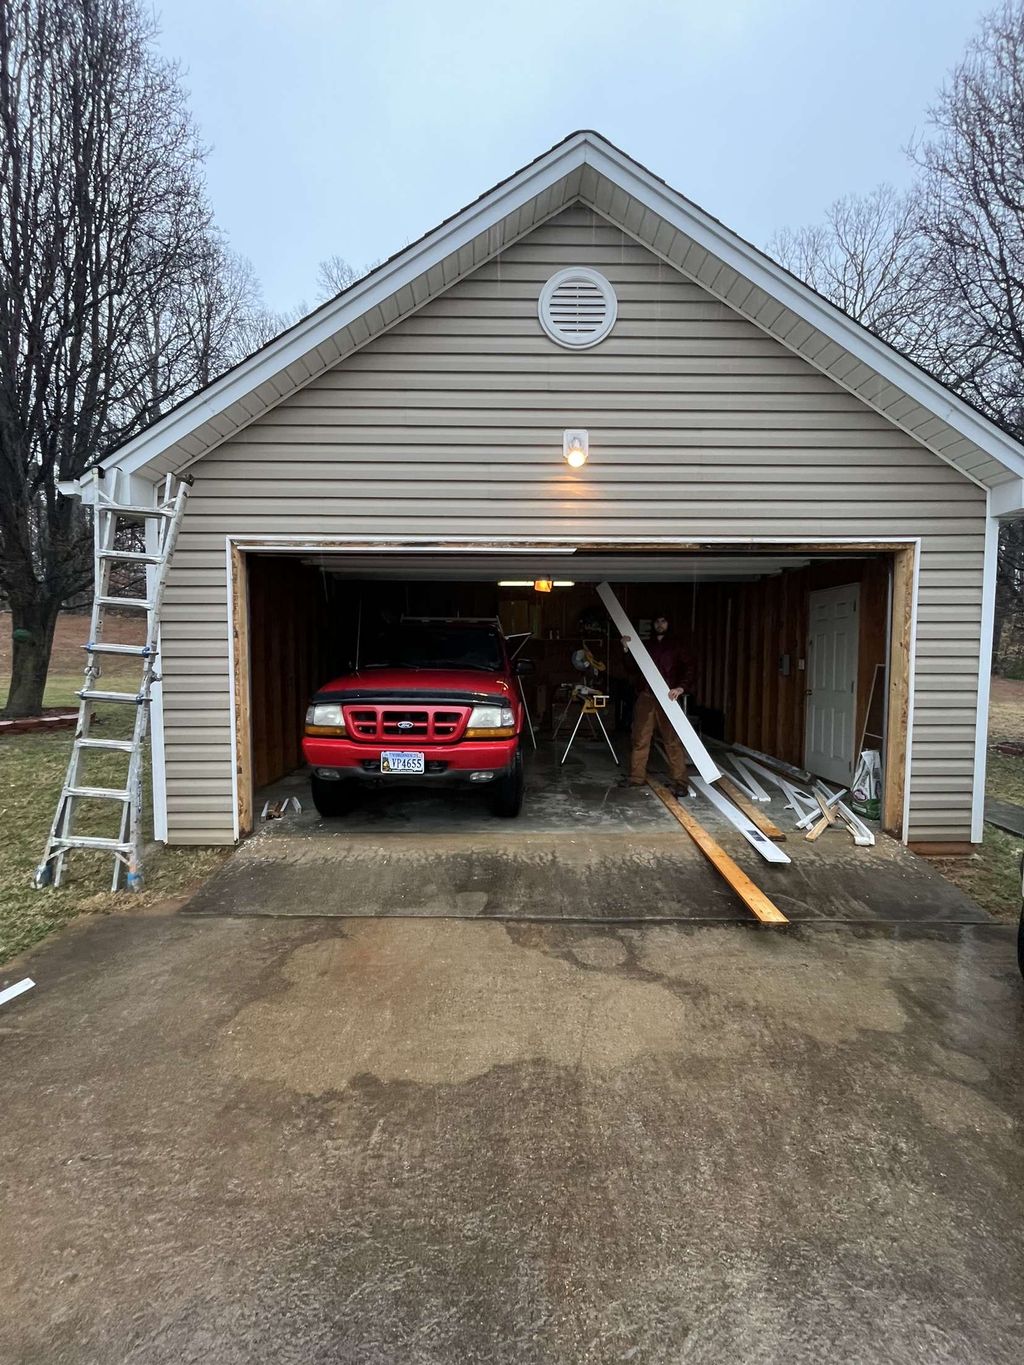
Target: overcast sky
pixel 352 128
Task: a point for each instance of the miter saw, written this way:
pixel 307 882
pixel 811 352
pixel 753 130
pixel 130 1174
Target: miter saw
pixel 588 695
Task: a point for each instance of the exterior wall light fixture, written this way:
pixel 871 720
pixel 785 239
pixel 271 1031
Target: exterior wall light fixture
pixel 575 448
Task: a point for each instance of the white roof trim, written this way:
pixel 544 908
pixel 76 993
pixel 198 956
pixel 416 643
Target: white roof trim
pixel 581 149
pixel 792 293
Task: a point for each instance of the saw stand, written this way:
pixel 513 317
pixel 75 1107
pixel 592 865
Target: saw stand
pixel 592 703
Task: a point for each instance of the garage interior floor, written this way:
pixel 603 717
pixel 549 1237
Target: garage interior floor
pixel 583 850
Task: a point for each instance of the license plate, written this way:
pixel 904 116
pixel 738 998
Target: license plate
pixel 401 761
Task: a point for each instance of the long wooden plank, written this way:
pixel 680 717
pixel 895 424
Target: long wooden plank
pixel 752 896
pixel 739 821
pixel 691 741
pixel 756 817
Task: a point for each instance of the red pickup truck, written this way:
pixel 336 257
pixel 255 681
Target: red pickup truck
pixel 430 704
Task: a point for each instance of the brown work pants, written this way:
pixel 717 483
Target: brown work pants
pixel 646 714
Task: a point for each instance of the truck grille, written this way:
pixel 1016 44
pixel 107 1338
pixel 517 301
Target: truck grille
pixel 406 725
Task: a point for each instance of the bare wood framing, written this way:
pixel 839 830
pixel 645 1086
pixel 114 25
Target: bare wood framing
pixel 895 773
pixel 240 667
pixel 752 896
pixel 903 568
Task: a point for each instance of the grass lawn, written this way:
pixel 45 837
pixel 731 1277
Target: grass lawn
pixel 991 877
pixel 31 772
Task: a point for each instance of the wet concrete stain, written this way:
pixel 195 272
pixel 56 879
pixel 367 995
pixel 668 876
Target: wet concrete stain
pixel 766 1148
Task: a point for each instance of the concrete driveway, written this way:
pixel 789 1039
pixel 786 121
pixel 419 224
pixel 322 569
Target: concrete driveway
pixel 281 1140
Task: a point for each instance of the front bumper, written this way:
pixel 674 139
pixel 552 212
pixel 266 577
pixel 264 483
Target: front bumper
pixel 444 763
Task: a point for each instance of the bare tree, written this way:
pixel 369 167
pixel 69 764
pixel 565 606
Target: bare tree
pixel 971 217
pixel 939 273
pixel 971 214
pixel 106 252
pixel 868 257
pixel 333 275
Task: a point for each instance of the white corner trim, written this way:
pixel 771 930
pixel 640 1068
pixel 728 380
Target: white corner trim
pixel 232 700
pixel 988 618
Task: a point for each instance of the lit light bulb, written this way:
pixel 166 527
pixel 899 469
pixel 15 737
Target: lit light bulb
pixel 575 447
pixel 543 585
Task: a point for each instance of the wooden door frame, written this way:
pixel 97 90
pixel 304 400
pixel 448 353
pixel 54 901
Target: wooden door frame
pixel 900 690
pixel 905 557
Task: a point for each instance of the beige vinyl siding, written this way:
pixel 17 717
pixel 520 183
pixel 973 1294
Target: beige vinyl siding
pixel 701 427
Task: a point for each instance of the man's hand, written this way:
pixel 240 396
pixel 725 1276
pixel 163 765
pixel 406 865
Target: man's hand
pixel 625 643
pixel 675 693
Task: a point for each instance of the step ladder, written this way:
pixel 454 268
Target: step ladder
pixel 161 523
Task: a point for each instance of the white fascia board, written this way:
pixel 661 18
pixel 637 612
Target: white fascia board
pixel 1006 501
pixel 359 299
pixel 793 294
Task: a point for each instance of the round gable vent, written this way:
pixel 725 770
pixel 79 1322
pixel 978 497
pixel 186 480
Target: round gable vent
pixel 577 307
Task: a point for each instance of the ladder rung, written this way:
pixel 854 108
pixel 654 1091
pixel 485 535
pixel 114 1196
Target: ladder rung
pixel 114 794
pixel 138 602
pixel 88 695
pixel 131 556
pixel 100 647
pixel 127 510
pixel 124 746
pixel 90 841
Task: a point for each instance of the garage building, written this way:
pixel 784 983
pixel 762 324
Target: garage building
pixel 817 514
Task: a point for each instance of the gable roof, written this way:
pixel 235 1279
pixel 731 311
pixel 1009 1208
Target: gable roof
pixel 585 168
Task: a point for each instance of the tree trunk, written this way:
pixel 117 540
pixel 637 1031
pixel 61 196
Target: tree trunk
pixel 32 630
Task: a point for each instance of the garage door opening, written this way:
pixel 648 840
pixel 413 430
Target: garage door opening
pixel 800 652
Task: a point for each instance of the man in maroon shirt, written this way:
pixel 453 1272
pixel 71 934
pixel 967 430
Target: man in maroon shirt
pixel 676 666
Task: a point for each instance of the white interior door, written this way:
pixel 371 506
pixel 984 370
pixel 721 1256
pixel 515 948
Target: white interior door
pixel 833 627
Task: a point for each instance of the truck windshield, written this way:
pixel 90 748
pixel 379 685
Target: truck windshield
pixel 440 646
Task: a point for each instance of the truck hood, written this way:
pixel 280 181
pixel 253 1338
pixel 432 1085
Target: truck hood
pixel 443 684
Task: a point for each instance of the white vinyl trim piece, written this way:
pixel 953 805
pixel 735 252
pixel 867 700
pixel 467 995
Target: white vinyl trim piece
pixel 988 616
pixel 748 780
pixel 688 736
pixel 1007 500
pixel 19 988
pixel 769 851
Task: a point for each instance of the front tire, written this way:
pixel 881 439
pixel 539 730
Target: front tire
pixel 507 796
pixel 332 797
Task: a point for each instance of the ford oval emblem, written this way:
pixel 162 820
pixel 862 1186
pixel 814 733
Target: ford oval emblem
pixel 405 725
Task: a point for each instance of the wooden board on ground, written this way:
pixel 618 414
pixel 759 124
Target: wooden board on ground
pixel 752 896
pixel 757 841
pixel 756 817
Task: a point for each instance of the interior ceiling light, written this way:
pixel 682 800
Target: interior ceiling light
pixel 532 582
pixel 575 448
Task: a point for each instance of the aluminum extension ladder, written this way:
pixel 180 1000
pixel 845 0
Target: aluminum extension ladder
pixel 162 523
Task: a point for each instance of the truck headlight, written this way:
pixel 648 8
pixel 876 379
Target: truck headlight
pixel 325 718
pixel 491 722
